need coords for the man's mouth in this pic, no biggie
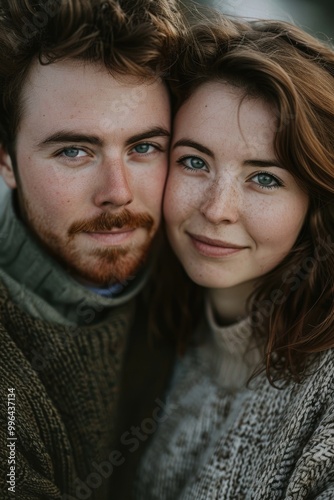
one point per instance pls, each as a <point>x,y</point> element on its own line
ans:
<point>113,237</point>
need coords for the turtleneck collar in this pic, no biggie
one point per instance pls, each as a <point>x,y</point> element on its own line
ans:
<point>40,285</point>
<point>231,352</point>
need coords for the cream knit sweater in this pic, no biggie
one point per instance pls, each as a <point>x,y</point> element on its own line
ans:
<point>226,440</point>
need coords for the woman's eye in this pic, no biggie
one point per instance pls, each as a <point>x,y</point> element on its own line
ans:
<point>144,148</point>
<point>192,163</point>
<point>73,153</point>
<point>266,180</point>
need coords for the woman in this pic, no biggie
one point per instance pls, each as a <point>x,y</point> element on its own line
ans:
<point>249,214</point>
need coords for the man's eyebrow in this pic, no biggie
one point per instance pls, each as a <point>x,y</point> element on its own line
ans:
<point>148,134</point>
<point>195,145</point>
<point>71,137</point>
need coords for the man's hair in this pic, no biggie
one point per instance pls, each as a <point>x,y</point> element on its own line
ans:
<point>134,37</point>
<point>292,306</point>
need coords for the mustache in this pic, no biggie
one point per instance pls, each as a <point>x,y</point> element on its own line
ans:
<point>107,222</point>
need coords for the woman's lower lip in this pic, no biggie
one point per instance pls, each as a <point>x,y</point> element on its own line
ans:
<point>213,250</point>
<point>117,238</point>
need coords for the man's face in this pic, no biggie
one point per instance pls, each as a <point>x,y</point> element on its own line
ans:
<point>91,154</point>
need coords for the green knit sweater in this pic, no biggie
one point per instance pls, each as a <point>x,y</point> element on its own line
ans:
<point>66,387</point>
<point>61,355</point>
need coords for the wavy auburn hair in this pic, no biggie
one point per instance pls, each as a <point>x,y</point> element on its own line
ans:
<point>292,307</point>
<point>129,37</point>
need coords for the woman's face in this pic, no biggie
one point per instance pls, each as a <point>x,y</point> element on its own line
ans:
<point>232,212</point>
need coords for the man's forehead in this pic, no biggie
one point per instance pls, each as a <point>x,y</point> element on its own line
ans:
<point>82,97</point>
<point>56,74</point>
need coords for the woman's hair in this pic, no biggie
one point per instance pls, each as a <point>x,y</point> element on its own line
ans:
<point>131,37</point>
<point>292,306</point>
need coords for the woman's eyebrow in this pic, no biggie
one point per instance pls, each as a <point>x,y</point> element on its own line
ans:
<point>262,163</point>
<point>248,163</point>
<point>195,145</point>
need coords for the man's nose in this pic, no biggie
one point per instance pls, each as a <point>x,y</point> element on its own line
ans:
<point>113,186</point>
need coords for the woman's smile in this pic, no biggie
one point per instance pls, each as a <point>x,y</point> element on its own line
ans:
<point>209,247</point>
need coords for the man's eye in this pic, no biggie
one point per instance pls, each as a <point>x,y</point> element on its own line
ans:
<point>144,148</point>
<point>73,153</point>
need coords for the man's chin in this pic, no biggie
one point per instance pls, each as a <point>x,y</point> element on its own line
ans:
<point>102,267</point>
<point>107,277</point>
<point>105,273</point>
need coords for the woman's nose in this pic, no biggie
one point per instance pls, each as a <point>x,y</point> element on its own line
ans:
<point>221,203</point>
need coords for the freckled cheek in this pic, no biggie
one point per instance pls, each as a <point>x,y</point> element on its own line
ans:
<point>51,199</point>
<point>152,187</point>
<point>179,203</point>
<point>273,226</point>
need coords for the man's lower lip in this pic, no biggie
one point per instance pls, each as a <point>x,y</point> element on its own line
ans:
<point>213,250</point>
<point>117,238</point>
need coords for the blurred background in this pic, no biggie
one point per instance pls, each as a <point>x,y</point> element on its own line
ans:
<point>316,17</point>
<point>2,186</point>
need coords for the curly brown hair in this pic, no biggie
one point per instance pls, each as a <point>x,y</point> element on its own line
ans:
<point>135,37</point>
<point>292,307</point>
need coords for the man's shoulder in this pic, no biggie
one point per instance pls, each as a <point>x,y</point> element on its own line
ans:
<point>3,289</point>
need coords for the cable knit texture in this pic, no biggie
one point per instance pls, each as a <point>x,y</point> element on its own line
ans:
<point>224,439</point>
<point>66,385</point>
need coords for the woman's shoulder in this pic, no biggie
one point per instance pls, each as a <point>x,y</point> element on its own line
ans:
<point>320,374</point>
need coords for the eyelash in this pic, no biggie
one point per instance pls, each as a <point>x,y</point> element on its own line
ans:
<point>59,153</point>
<point>274,177</point>
<point>157,147</point>
<point>279,182</point>
<point>180,161</point>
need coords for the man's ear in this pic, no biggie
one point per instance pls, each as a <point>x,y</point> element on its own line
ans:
<point>6,168</point>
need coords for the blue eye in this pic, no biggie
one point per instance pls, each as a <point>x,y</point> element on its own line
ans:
<point>73,152</point>
<point>143,148</point>
<point>266,180</point>
<point>192,163</point>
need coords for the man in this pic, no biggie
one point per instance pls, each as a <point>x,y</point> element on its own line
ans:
<point>84,131</point>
